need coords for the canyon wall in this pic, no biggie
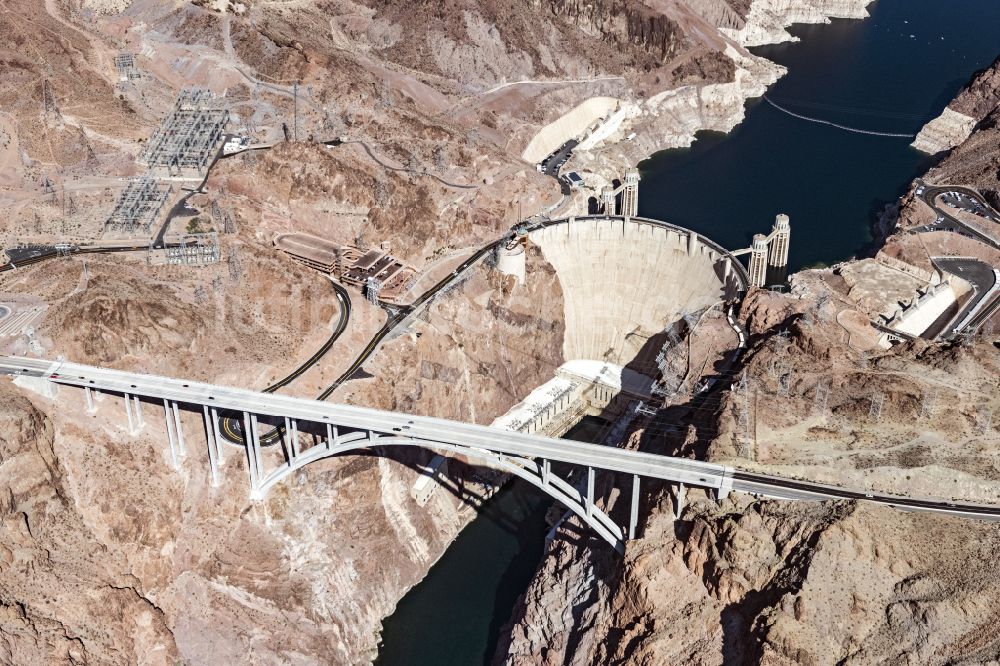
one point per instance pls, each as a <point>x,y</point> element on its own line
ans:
<point>431,101</point>
<point>767,20</point>
<point>746,580</point>
<point>956,123</point>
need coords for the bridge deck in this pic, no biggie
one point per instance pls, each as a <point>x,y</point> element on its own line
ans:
<point>429,431</point>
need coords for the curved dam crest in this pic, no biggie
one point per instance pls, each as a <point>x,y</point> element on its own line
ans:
<point>626,280</point>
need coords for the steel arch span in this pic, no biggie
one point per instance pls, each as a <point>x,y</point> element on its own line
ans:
<point>350,428</point>
<point>537,473</point>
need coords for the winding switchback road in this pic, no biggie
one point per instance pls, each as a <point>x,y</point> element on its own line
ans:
<point>932,192</point>
<point>232,428</point>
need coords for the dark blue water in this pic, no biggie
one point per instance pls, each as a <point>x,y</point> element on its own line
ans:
<point>454,616</point>
<point>869,74</point>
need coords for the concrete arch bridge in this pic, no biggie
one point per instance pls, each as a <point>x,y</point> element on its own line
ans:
<point>343,428</point>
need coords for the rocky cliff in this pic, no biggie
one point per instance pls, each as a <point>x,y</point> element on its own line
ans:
<point>750,581</point>
<point>112,557</point>
<point>65,596</point>
<point>747,582</point>
<point>767,20</point>
<point>974,103</point>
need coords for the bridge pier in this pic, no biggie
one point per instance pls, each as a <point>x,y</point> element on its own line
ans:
<point>211,435</point>
<point>168,417</point>
<point>725,487</point>
<point>633,516</point>
<point>331,436</point>
<point>590,493</point>
<point>248,437</point>
<point>128,413</point>
<point>90,399</point>
<point>217,439</point>
<point>291,440</point>
<point>180,431</point>
<point>258,463</point>
<point>546,470</point>
<point>679,501</point>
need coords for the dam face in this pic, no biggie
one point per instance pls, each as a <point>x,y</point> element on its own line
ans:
<point>626,280</point>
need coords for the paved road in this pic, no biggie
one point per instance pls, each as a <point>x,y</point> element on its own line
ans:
<point>977,273</point>
<point>53,253</point>
<point>453,435</point>
<point>384,165</point>
<point>399,319</point>
<point>180,208</point>
<point>929,196</point>
<point>231,426</point>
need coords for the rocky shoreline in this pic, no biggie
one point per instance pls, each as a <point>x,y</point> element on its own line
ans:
<point>672,118</point>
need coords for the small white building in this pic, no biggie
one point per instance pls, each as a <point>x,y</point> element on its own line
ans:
<point>574,180</point>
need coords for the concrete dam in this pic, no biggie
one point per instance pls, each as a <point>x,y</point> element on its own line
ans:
<point>625,282</point>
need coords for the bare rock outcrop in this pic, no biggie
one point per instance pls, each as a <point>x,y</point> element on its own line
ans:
<point>749,581</point>
<point>972,105</point>
<point>765,582</point>
<point>64,596</point>
<point>766,20</point>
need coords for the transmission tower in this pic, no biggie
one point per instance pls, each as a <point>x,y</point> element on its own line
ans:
<point>927,404</point>
<point>783,384</point>
<point>743,421</point>
<point>216,213</point>
<point>372,292</point>
<point>49,99</point>
<point>822,396</point>
<point>645,410</point>
<point>875,406</point>
<point>235,265</point>
<point>984,419</point>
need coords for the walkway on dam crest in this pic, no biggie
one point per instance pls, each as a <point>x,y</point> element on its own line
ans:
<point>349,428</point>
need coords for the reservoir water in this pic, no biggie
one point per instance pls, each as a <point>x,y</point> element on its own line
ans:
<point>889,73</point>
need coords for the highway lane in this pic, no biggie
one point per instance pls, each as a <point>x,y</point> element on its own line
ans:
<point>79,250</point>
<point>984,315</point>
<point>426,431</point>
<point>231,426</point>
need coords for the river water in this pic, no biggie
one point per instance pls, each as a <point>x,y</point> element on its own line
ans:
<point>890,73</point>
<point>454,615</point>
